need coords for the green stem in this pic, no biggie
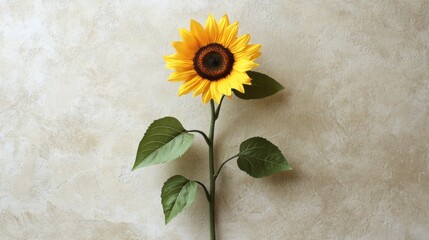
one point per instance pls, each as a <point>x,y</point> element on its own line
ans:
<point>212,172</point>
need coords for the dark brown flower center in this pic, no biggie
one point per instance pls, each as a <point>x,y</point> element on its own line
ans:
<point>213,61</point>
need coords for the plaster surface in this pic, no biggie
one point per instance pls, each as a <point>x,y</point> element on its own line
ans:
<point>80,81</point>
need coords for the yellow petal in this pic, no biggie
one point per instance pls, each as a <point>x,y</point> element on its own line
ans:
<point>189,39</point>
<point>171,57</point>
<point>211,28</point>
<point>251,52</point>
<point>182,76</point>
<point>223,23</point>
<point>242,77</point>
<point>206,95</point>
<point>224,87</point>
<point>237,79</point>
<point>183,50</point>
<point>240,43</point>
<point>172,62</point>
<point>187,86</point>
<point>201,87</point>
<point>199,33</point>
<point>237,86</point>
<point>255,56</point>
<point>244,65</point>
<point>214,88</point>
<point>229,35</point>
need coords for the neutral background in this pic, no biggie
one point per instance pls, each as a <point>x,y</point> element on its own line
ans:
<point>82,80</point>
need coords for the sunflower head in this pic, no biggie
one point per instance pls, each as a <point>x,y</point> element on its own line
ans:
<point>212,60</point>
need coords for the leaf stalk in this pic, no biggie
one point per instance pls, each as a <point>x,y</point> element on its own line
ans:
<point>223,164</point>
<point>205,190</point>
<point>207,139</point>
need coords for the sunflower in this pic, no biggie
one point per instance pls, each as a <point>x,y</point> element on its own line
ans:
<point>212,61</point>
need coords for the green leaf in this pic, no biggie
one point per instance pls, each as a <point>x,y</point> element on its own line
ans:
<point>262,86</point>
<point>164,140</point>
<point>260,158</point>
<point>177,194</point>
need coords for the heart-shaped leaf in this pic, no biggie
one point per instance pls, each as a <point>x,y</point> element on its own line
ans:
<point>164,140</point>
<point>262,86</point>
<point>177,194</point>
<point>259,158</point>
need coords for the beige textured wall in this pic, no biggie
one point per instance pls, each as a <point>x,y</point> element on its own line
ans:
<point>82,80</point>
